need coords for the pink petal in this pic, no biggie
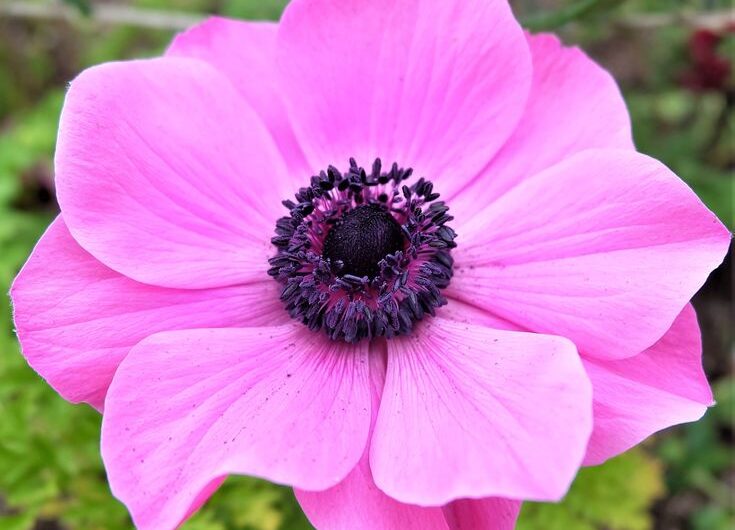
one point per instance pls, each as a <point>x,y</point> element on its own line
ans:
<point>356,502</point>
<point>431,84</point>
<point>482,514</point>
<point>167,176</point>
<point>465,313</point>
<point>636,397</point>
<point>188,407</point>
<point>245,53</point>
<point>469,411</point>
<point>574,105</point>
<point>604,248</point>
<point>203,496</point>
<point>77,319</point>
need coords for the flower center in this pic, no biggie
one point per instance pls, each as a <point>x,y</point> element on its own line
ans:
<point>363,254</point>
<point>361,239</point>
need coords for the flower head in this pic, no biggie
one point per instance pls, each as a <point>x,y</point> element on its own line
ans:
<point>396,373</point>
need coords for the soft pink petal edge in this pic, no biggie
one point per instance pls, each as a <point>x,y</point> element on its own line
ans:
<point>433,85</point>
<point>475,404</point>
<point>639,396</point>
<point>635,397</point>
<point>574,105</point>
<point>76,319</point>
<point>604,245</point>
<point>246,53</point>
<point>358,504</point>
<point>482,514</point>
<point>159,174</point>
<point>186,408</point>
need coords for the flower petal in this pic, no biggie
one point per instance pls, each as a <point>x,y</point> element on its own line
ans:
<point>636,397</point>
<point>166,175</point>
<point>604,245</point>
<point>469,411</point>
<point>574,105</point>
<point>435,85</point>
<point>188,407</point>
<point>465,313</point>
<point>356,502</point>
<point>77,319</point>
<point>482,514</point>
<point>246,53</point>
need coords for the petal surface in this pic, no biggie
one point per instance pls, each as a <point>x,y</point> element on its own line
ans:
<point>186,408</point>
<point>356,502</point>
<point>636,397</point>
<point>469,411</point>
<point>166,175</point>
<point>465,313</point>
<point>574,104</point>
<point>246,53</point>
<point>77,319</point>
<point>604,245</point>
<point>482,514</point>
<point>435,85</point>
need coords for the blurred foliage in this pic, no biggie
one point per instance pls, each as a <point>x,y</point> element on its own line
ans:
<point>615,496</point>
<point>574,11</point>
<point>695,462</point>
<point>51,475</point>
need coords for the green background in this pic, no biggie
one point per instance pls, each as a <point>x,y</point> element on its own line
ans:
<point>51,476</point>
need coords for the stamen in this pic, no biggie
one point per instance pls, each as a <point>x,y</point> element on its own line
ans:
<point>363,255</point>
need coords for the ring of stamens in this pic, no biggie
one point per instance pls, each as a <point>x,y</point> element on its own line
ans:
<point>363,255</point>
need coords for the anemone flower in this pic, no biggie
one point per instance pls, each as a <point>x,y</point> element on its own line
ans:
<point>253,272</point>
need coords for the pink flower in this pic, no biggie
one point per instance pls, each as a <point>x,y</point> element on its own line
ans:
<point>567,337</point>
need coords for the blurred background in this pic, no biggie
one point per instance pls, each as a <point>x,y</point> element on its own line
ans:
<point>674,61</point>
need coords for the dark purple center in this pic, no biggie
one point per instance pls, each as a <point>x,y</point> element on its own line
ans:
<point>363,254</point>
<point>361,239</point>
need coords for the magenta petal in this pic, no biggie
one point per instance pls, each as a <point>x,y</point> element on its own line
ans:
<point>431,84</point>
<point>574,105</point>
<point>467,314</point>
<point>605,248</point>
<point>356,502</point>
<point>76,319</point>
<point>469,411</point>
<point>188,407</point>
<point>167,176</point>
<point>245,52</point>
<point>636,397</point>
<point>482,514</point>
